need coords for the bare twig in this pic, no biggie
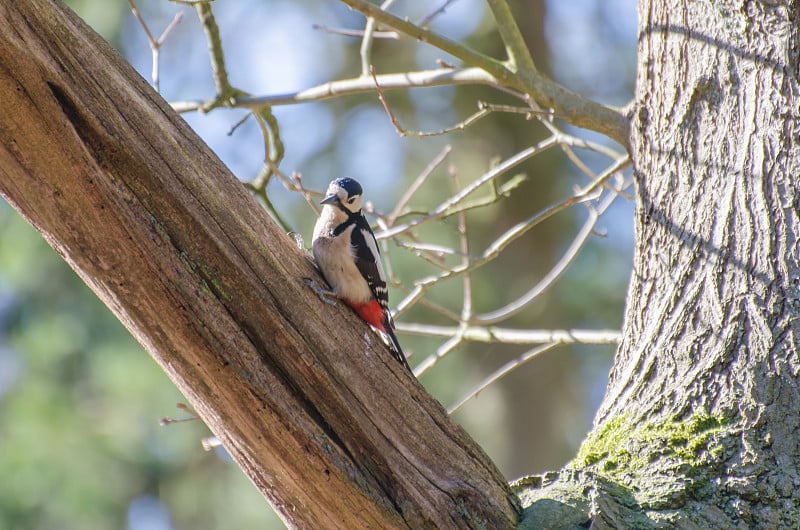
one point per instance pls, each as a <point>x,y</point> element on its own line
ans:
<point>466,287</point>
<point>555,272</point>
<point>421,178</point>
<point>502,372</point>
<point>457,337</point>
<point>493,334</point>
<point>293,182</point>
<point>358,85</point>
<point>577,109</point>
<point>494,249</point>
<point>519,57</point>
<point>466,54</point>
<point>218,69</point>
<point>209,442</point>
<point>521,228</point>
<point>435,13</point>
<point>227,95</point>
<point>155,44</point>
<point>175,21</point>
<point>446,208</point>
<point>184,407</point>
<point>482,113</point>
<point>346,32</point>
<point>436,308</point>
<point>442,351</point>
<point>438,250</point>
<point>366,42</point>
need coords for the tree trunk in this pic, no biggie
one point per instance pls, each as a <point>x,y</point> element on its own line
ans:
<point>332,430</point>
<point>699,426</point>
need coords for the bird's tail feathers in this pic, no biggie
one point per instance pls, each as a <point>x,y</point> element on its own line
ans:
<point>394,345</point>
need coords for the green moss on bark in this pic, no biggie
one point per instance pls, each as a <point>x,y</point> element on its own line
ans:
<point>621,448</point>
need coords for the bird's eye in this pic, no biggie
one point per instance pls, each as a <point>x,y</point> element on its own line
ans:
<point>351,200</point>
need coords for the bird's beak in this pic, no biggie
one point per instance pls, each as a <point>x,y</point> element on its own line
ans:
<point>329,199</point>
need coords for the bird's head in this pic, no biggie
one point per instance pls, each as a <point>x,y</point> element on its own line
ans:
<point>344,193</point>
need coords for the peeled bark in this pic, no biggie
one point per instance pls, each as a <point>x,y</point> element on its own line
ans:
<point>331,429</point>
<point>699,425</point>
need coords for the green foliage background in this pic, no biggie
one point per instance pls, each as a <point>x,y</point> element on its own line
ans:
<point>80,401</point>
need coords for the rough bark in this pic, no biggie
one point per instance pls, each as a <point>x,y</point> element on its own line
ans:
<point>699,425</point>
<point>332,430</point>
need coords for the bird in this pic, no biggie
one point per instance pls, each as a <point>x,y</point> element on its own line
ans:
<point>347,255</point>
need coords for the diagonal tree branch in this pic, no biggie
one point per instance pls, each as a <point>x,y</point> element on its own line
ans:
<point>466,54</point>
<point>306,399</point>
<point>519,56</point>
<point>548,94</point>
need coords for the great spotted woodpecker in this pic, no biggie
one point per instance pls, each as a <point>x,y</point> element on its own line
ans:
<point>347,255</point>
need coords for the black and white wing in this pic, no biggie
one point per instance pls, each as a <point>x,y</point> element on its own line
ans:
<point>368,260</point>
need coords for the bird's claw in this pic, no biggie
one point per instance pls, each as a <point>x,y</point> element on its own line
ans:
<point>326,295</point>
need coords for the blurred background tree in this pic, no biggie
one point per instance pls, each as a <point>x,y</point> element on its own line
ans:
<point>79,399</point>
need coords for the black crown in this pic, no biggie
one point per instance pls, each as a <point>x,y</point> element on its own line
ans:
<point>351,186</point>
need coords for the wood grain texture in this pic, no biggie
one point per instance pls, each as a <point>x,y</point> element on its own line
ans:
<point>311,405</point>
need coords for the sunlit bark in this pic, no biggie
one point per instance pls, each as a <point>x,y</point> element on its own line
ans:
<point>698,428</point>
<point>329,427</point>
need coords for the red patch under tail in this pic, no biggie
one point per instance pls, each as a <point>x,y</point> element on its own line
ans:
<point>371,312</point>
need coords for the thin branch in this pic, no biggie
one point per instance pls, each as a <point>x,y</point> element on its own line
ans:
<point>227,94</point>
<point>366,42</point>
<point>583,194</point>
<point>466,288</point>
<point>497,193</point>
<point>446,208</point>
<point>261,191</point>
<point>155,44</point>
<point>436,308</point>
<point>145,27</point>
<point>347,32</point>
<point>432,257</point>
<point>167,420</point>
<point>466,311</point>
<point>273,153</point>
<point>293,182</point>
<point>219,72</point>
<point>484,109</point>
<point>357,85</point>
<point>502,372</point>
<point>442,351</point>
<point>421,178</point>
<point>439,250</point>
<point>460,126</point>
<point>575,159</point>
<point>574,141</point>
<point>555,272</point>
<point>171,26</point>
<point>494,249</point>
<point>493,334</point>
<point>468,55</point>
<point>435,13</point>
<point>518,54</point>
<point>576,109</point>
